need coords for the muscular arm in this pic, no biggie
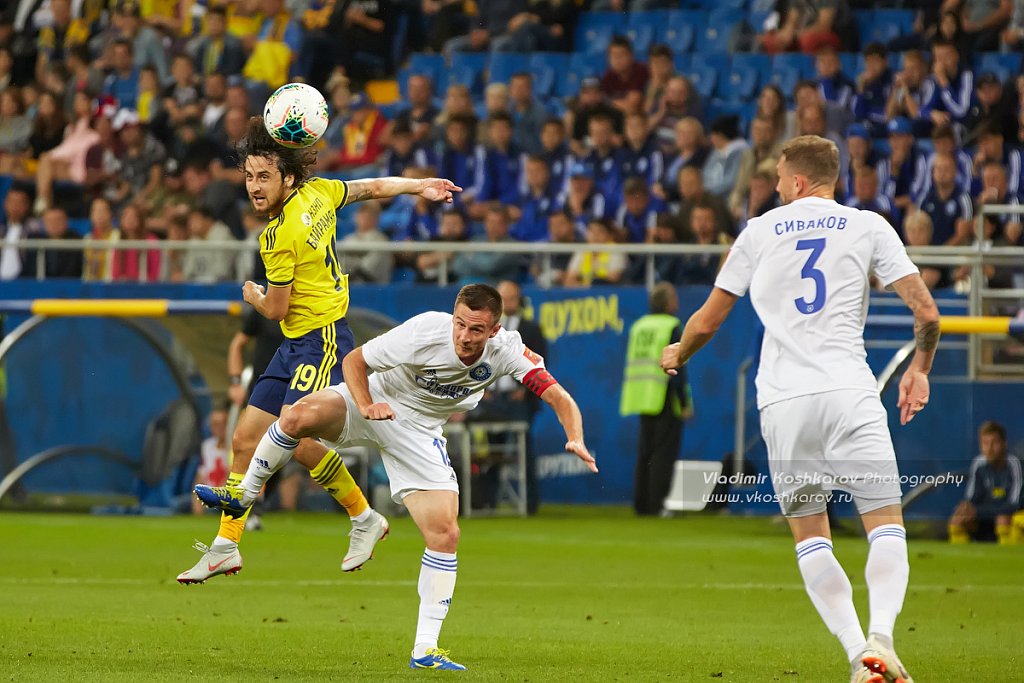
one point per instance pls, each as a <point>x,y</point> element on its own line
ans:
<point>699,330</point>
<point>571,420</point>
<point>353,369</point>
<point>919,300</point>
<point>434,189</point>
<point>271,303</point>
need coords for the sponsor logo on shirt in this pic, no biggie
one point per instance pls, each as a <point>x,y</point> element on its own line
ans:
<point>531,356</point>
<point>428,381</point>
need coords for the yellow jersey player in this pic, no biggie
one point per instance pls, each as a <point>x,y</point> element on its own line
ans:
<point>308,294</point>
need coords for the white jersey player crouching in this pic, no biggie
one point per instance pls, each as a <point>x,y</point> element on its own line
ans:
<point>807,267</point>
<point>424,371</point>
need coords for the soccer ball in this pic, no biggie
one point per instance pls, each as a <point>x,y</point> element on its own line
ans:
<point>295,115</point>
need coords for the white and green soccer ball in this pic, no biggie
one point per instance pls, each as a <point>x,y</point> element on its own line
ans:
<point>296,115</point>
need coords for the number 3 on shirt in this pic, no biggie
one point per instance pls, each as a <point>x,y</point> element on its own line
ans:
<point>809,272</point>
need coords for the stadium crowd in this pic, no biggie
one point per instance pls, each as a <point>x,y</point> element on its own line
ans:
<point>117,121</point>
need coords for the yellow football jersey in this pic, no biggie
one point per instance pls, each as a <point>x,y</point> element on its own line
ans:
<point>298,247</point>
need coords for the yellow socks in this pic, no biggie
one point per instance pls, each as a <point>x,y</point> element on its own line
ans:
<point>958,535</point>
<point>230,527</point>
<point>332,474</point>
<point>1004,534</point>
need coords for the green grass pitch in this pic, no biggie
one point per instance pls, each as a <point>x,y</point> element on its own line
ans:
<point>574,595</point>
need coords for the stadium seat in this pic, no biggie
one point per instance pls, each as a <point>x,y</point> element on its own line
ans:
<point>715,34</point>
<point>746,74</point>
<point>882,25</point>
<point>643,28</point>
<point>581,65</point>
<point>427,64</point>
<point>80,226</point>
<point>679,31</point>
<point>548,68</point>
<point>704,76</point>
<point>595,30</point>
<point>506,64</point>
<point>682,62</point>
<point>789,68</point>
<point>756,20</point>
<point>1004,65</point>
<point>467,69</point>
<point>850,62</point>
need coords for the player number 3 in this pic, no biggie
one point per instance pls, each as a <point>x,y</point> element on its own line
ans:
<point>809,272</point>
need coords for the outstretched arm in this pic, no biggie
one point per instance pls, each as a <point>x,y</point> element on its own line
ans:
<point>569,416</point>
<point>699,330</point>
<point>433,189</point>
<point>914,384</point>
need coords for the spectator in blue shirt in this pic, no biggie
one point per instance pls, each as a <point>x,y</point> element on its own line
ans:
<point>867,197</point>
<point>490,266</point>
<point>862,153</point>
<point>911,90</point>
<point>727,148</point>
<point>555,152</point>
<point>403,152</point>
<point>502,163</point>
<point>873,88</point>
<point>948,206</point>
<point>459,161</point>
<point>581,200</point>
<point>639,211</point>
<point>835,86</point>
<point>604,158</point>
<point>992,494</point>
<point>904,175</point>
<point>944,141</point>
<point>993,148</point>
<point>953,95</point>
<point>641,155</point>
<point>123,82</point>
<point>535,204</point>
<point>528,115</point>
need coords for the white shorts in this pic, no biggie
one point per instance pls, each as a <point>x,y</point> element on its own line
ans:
<point>833,440</point>
<point>416,459</point>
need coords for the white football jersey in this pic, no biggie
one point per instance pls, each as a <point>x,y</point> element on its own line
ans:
<point>417,371</point>
<point>807,266</point>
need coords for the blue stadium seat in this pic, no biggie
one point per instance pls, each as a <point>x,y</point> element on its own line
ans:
<point>548,68</point>
<point>644,28</point>
<point>682,61</point>
<point>756,20</point>
<point>746,74</point>
<point>467,69</point>
<point>790,67</point>
<point>882,25</point>
<point>581,65</point>
<point>714,35</point>
<point>594,30</point>
<point>80,226</point>
<point>505,64</point>
<point>850,63</point>
<point>745,110</point>
<point>427,64</point>
<point>703,76</point>
<point>1006,66</point>
<point>680,29</point>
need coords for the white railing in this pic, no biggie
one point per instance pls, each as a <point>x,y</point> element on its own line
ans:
<point>975,256</point>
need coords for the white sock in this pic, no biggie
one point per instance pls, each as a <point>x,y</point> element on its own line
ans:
<point>831,593</point>
<point>436,587</point>
<point>362,516</point>
<point>273,452</point>
<point>223,545</point>
<point>886,573</point>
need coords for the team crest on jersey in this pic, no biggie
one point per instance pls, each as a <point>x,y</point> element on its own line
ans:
<point>481,372</point>
<point>307,220</point>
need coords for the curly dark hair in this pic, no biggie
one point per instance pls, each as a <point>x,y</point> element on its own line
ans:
<point>256,142</point>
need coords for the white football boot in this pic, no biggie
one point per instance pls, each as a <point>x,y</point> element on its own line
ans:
<point>362,539</point>
<point>213,563</point>
<point>882,660</point>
